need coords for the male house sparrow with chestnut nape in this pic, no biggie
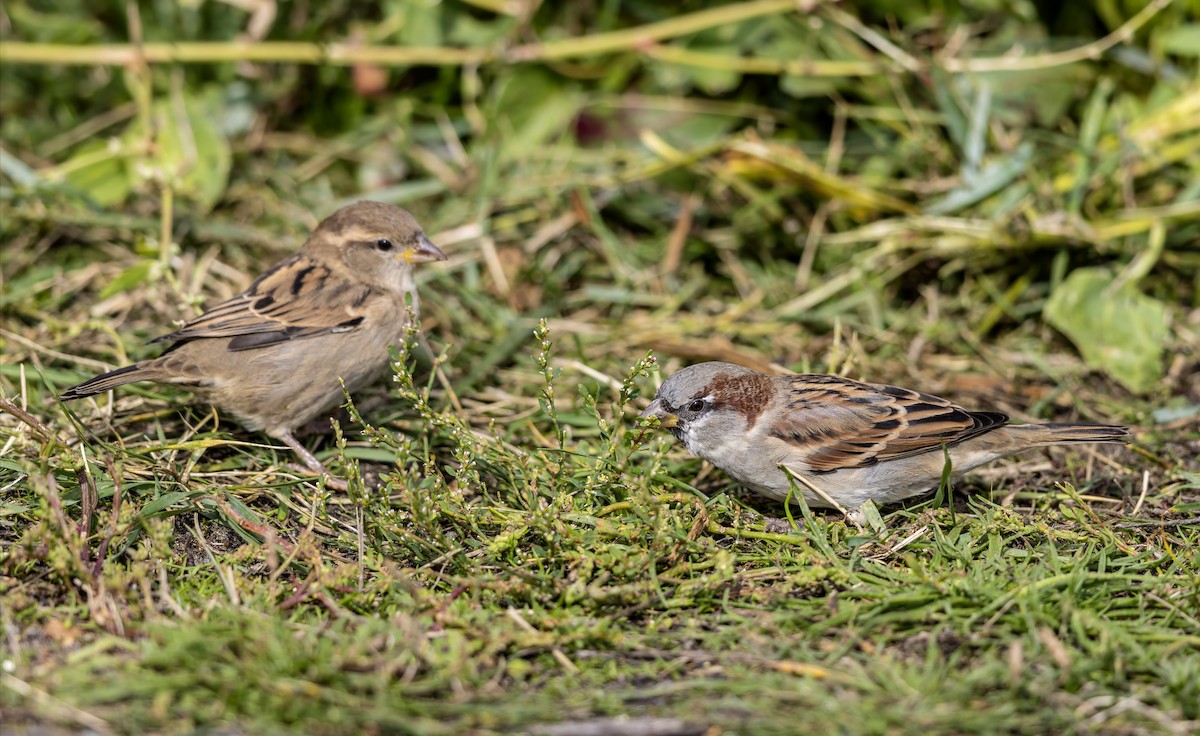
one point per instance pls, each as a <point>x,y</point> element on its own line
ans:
<point>847,442</point>
<point>273,355</point>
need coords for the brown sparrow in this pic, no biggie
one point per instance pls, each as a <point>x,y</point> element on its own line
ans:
<point>846,442</point>
<point>272,355</point>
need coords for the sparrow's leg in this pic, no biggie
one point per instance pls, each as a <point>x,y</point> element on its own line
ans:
<point>820,492</point>
<point>312,463</point>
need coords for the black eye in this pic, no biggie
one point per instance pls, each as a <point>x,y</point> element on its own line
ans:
<point>697,406</point>
<point>383,244</point>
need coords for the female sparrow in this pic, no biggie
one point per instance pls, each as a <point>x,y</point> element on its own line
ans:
<point>846,442</point>
<point>273,355</point>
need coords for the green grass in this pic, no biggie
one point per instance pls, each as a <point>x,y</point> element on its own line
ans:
<point>520,553</point>
<point>504,585</point>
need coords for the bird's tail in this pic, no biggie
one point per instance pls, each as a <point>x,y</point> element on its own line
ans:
<point>1033,435</point>
<point>112,379</point>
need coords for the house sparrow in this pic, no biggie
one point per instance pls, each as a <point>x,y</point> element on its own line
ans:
<point>272,355</point>
<point>846,442</point>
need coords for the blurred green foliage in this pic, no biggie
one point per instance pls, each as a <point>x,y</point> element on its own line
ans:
<point>959,195</point>
<point>798,126</point>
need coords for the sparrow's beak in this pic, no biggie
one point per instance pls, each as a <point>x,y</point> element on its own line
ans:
<point>423,252</point>
<point>666,419</point>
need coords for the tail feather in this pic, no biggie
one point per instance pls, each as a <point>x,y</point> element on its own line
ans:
<point>104,382</point>
<point>1056,434</point>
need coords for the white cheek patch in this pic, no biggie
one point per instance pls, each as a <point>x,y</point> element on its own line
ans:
<point>718,447</point>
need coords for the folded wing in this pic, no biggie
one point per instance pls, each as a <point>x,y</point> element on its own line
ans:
<point>837,423</point>
<point>296,298</point>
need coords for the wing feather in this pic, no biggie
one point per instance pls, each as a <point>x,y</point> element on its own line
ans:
<point>296,298</point>
<point>838,424</point>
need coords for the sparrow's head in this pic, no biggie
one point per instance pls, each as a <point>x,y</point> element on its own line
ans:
<point>705,404</point>
<point>378,242</point>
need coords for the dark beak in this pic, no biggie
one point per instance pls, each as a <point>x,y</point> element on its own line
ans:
<point>666,419</point>
<point>423,252</point>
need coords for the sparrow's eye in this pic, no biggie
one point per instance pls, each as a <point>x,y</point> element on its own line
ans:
<point>383,244</point>
<point>697,406</point>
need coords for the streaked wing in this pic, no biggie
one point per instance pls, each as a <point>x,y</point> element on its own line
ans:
<point>296,298</point>
<point>837,423</point>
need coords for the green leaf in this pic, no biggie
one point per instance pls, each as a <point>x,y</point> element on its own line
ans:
<point>372,454</point>
<point>49,27</point>
<point>243,510</point>
<point>422,23</point>
<point>192,154</point>
<point>470,31</point>
<point>1182,41</point>
<point>164,502</point>
<point>136,275</point>
<point>98,170</point>
<point>1121,332</point>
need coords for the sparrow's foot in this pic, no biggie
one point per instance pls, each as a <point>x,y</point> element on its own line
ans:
<point>777,526</point>
<point>312,463</point>
<point>857,518</point>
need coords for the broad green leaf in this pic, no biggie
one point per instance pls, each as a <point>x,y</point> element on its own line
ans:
<point>207,174</point>
<point>98,170</point>
<point>1183,40</point>
<point>1121,332</point>
<point>422,23</point>
<point>192,154</point>
<point>470,31</point>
